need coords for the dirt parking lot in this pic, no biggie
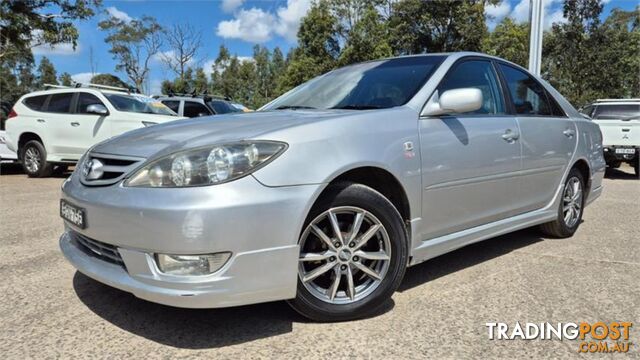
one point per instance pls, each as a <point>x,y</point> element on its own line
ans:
<point>49,310</point>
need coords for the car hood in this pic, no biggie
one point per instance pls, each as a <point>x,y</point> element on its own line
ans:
<point>174,136</point>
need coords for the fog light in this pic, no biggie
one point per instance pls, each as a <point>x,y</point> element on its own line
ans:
<point>188,265</point>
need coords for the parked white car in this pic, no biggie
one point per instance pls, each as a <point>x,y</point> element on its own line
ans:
<point>619,121</point>
<point>5,153</point>
<point>55,127</point>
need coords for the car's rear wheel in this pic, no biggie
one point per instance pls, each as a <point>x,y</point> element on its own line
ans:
<point>34,160</point>
<point>353,255</point>
<point>570,209</point>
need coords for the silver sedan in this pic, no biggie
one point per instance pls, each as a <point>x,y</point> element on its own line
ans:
<point>327,194</point>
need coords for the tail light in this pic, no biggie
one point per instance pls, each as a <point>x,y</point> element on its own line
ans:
<point>12,114</point>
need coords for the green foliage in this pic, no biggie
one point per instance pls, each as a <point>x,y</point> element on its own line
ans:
<point>418,26</point>
<point>46,73</point>
<point>133,43</point>
<point>29,23</point>
<point>509,41</point>
<point>65,79</point>
<point>109,80</point>
<point>367,40</point>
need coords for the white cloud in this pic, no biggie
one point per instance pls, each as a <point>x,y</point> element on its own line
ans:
<point>257,26</point>
<point>230,6</point>
<point>118,14</point>
<point>84,78</point>
<point>495,13</point>
<point>58,49</point>
<point>155,87</point>
<point>552,12</point>
<point>162,56</point>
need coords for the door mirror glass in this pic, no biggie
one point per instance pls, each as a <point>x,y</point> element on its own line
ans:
<point>455,101</point>
<point>97,109</point>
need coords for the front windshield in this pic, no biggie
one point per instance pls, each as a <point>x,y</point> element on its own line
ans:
<point>138,104</point>
<point>617,112</point>
<point>369,85</point>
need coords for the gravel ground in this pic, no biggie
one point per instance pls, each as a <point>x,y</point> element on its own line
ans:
<point>48,310</point>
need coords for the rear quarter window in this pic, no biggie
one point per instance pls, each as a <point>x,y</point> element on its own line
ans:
<point>35,102</point>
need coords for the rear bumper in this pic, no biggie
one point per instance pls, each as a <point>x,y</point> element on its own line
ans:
<point>611,154</point>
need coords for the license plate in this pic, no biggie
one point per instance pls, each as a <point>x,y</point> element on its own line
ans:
<point>73,214</point>
<point>625,151</point>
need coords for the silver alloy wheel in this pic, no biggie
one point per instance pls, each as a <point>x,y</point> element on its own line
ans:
<point>32,159</point>
<point>572,201</point>
<point>344,255</point>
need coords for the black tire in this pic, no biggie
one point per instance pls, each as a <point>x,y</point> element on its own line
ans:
<point>33,150</point>
<point>60,169</point>
<point>559,227</point>
<point>363,197</point>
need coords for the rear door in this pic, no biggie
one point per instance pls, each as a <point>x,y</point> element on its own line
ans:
<point>63,141</point>
<point>548,138</point>
<point>471,161</point>
<point>195,109</point>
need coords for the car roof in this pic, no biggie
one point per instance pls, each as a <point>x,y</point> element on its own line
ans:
<point>73,90</point>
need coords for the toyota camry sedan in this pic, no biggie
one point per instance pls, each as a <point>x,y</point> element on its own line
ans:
<point>327,194</point>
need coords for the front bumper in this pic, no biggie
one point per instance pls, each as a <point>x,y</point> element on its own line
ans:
<point>258,224</point>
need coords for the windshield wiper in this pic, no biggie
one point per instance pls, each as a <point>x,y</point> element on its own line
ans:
<point>294,107</point>
<point>357,107</point>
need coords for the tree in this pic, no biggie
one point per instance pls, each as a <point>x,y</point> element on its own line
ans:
<point>46,73</point>
<point>318,47</point>
<point>200,82</point>
<point>26,24</point>
<point>65,79</point>
<point>367,40</point>
<point>109,80</point>
<point>133,43</point>
<point>572,57</point>
<point>418,26</point>
<point>184,42</point>
<point>509,41</point>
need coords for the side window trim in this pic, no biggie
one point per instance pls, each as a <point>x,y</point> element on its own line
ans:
<point>76,102</point>
<point>501,87</point>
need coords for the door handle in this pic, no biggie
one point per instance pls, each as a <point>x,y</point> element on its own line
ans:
<point>510,136</point>
<point>75,123</point>
<point>569,133</point>
<point>40,120</point>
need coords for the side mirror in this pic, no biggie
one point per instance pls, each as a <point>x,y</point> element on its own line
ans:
<point>455,101</point>
<point>97,109</point>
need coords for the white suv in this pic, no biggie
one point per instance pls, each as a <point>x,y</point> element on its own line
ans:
<point>619,121</point>
<point>55,127</point>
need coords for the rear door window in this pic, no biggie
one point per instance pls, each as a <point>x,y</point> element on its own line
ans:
<point>35,102</point>
<point>527,94</point>
<point>60,103</point>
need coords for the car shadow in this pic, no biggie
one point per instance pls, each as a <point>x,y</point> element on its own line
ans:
<point>16,169</point>
<point>468,256</point>
<point>618,174</point>
<point>189,328</point>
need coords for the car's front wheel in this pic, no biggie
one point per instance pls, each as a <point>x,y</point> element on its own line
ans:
<point>34,159</point>
<point>353,255</point>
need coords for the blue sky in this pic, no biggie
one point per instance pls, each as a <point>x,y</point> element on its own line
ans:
<point>238,24</point>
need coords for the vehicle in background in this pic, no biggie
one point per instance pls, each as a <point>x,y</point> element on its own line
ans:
<point>5,153</point>
<point>199,105</point>
<point>53,128</point>
<point>619,121</point>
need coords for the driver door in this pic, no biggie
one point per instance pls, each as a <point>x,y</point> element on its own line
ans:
<point>87,129</point>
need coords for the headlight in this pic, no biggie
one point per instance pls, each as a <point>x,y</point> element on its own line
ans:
<point>186,265</point>
<point>207,165</point>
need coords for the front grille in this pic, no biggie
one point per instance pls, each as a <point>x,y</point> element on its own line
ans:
<point>111,168</point>
<point>99,249</point>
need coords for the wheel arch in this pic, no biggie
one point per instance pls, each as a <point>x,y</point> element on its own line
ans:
<point>585,170</point>
<point>27,136</point>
